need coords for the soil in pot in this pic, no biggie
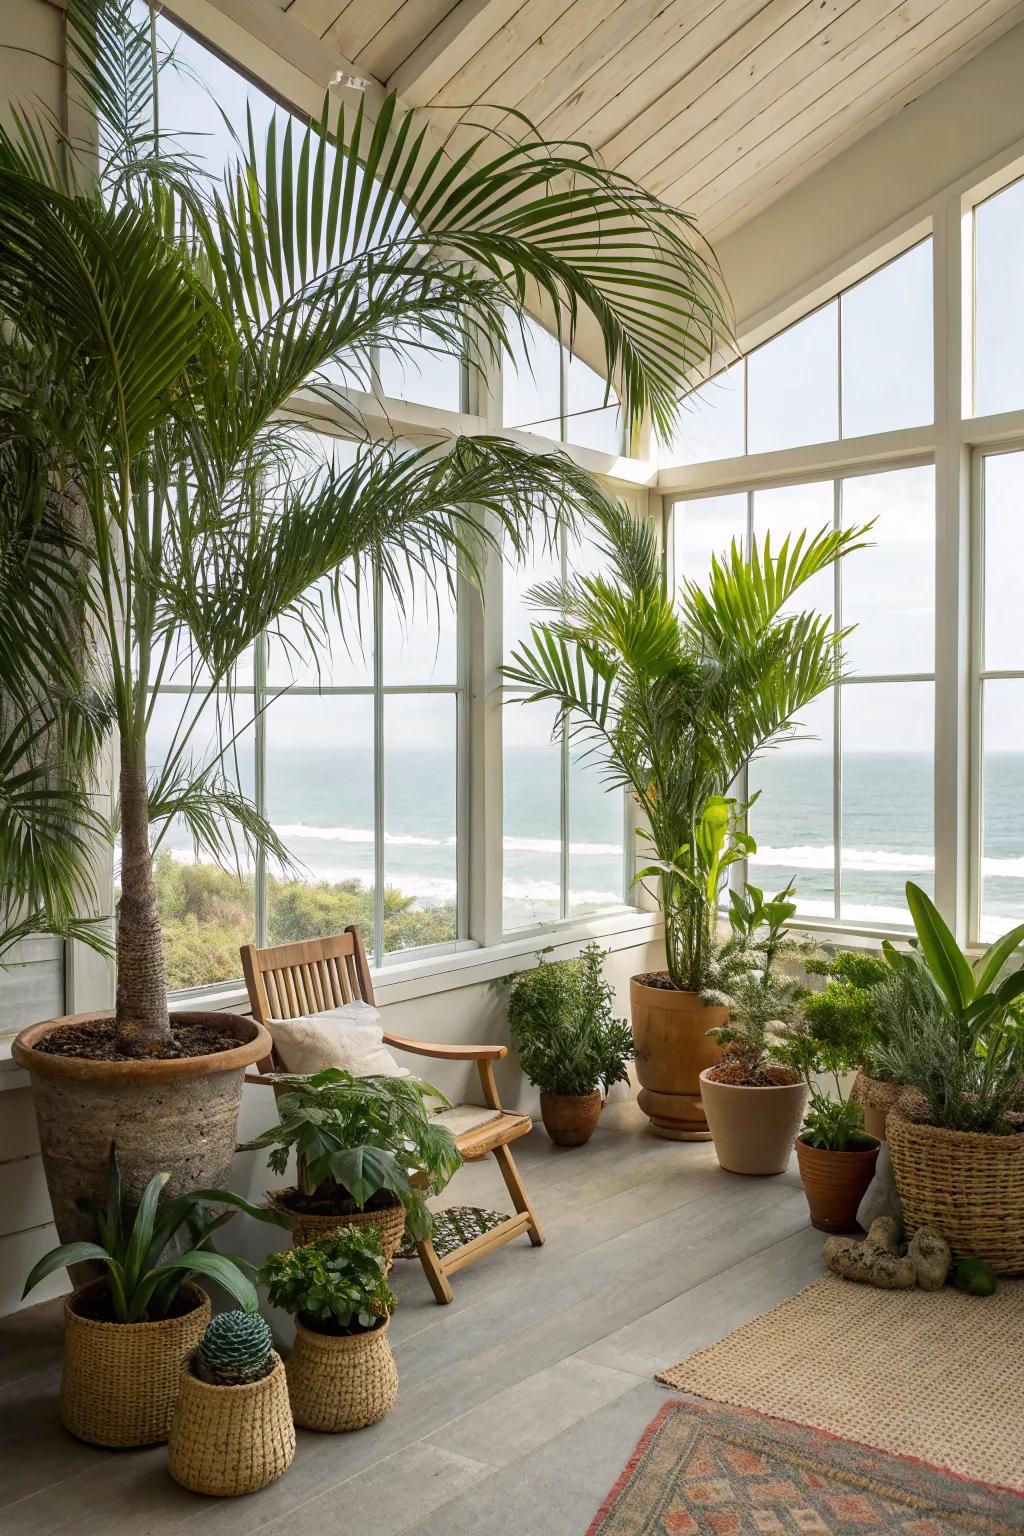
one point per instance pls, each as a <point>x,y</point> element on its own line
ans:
<point>672,1049</point>
<point>97,1040</point>
<point>570,1118</point>
<point>753,1125</point>
<point>835,1182</point>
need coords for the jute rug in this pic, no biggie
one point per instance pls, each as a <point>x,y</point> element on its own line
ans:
<point>704,1470</point>
<point>938,1376</point>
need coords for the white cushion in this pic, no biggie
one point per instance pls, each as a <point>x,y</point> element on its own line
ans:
<point>466,1117</point>
<point>350,1037</point>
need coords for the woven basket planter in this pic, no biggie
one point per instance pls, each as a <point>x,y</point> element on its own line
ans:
<point>389,1222</point>
<point>876,1099</point>
<point>120,1380</point>
<point>341,1382</point>
<point>231,1440</point>
<point>967,1186</point>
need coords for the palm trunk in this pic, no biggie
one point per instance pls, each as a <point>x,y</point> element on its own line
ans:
<point>142,1017</point>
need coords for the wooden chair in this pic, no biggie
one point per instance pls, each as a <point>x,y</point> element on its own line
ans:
<point>289,980</point>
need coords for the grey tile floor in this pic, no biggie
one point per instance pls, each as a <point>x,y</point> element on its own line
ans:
<point>518,1405</point>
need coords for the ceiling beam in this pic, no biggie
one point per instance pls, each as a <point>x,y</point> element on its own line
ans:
<point>451,45</point>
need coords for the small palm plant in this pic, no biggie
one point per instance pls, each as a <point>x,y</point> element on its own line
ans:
<point>673,698</point>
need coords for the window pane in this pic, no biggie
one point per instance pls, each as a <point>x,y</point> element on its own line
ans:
<point>320,800</point>
<point>591,421</point>
<point>785,512</point>
<point>531,382</point>
<point>999,302</point>
<point>710,423</point>
<point>423,376</point>
<point>200,95</point>
<point>419,820</point>
<point>793,385</point>
<point>889,588</point>
<point>888,822</point>
<point>206,911</point>
<point>704,528</point>
<point>1002,849</point>
<point>887,326</point>
<point>791,821</point>
<point>532,816</point>
<point>596,822</point>
<point>1004,552</point>
<point>420,645</point>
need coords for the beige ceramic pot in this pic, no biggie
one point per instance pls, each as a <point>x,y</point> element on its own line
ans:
<point>176,1117</point>
<point>672,1048</point>
<point>571,1118</point>
<point>338,1383</point>
<point>834,1183</point>
<point>229,1440</point>
<point>753,1128</point>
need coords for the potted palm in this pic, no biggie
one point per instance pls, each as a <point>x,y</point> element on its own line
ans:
<point>188,316</point>
<point>367,1154</point>
<point>341,1372</point>
<point>956,1135</point>
<point>128,1332</point>
<point>232,1431</point>
<point>675,695</point>
<point>570,1046</point>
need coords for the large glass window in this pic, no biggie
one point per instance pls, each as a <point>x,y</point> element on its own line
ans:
<point>549,391</point>
<point>999,302</point>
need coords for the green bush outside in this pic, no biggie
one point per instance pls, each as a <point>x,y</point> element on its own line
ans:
<point>207,913</point>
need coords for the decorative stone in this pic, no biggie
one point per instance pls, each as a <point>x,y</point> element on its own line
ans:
<point>881,1261</point>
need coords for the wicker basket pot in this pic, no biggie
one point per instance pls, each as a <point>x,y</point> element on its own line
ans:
<point>968,1186</point>
<point>389,1222</point>
<point>230,1440</point>
<point>340,1382</point>
<point>120,1380</point>
<point>876,1099</point>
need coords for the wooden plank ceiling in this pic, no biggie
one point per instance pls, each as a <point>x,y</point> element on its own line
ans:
<point>719,106</point>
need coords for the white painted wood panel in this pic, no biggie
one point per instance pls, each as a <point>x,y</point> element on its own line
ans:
<point>315,15</point>
<point>401,34</point>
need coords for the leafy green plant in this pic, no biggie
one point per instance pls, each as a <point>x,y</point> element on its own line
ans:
<point>235,1349</point>
<point>826,1040</point>
<point>674,694</point>
<point>355,1137</point>
<point>560,1020</point>
<point>338,1284</point>
<point>834,1125</point>
<point>164,323</point>
<point>144,1283</point>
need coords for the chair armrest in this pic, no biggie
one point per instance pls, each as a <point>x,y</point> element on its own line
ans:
<point>447,1052</point>
<point>258,1077</point>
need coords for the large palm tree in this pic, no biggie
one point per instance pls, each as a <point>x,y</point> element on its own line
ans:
<point>169,321</point>
<point>673,696</point>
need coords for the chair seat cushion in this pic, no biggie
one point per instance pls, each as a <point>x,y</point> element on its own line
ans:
<point>462,1118</point>
<point>350,1037</point>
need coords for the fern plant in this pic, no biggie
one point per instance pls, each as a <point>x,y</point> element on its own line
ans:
<point>561,1023</point>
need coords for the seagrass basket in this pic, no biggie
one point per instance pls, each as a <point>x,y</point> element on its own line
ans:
<point>230,1440</point>
<point>342,1382</point>
<point>969,1187</point>
<point>389,1222</point>
<point>876,1099</point>
<point>120,1380</point>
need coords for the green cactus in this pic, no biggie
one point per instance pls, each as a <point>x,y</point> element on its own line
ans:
<point>234,1349</point>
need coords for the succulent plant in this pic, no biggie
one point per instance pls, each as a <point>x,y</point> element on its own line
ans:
<point>235,1348</point>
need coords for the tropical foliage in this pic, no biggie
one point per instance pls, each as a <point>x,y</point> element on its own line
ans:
<point>674,698</point>
<point>144,1280</point>
<point>560,1020</point>
<point>154,328</point>
<point>356,1137</point>
<point>337,1284</point>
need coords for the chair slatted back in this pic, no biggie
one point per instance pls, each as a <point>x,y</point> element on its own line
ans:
<point>286,981</point>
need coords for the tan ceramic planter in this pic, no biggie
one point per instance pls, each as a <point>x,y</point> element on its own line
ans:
<point>176,1117</point>
<point>570,1119</point>
<point>120,1380</point>
<point>753,1128</point>
<point>672,1049</point>
<point>341,1383</point>
<point>834,1183</point>
<point>226,1440</point>
<point>388,1223</point>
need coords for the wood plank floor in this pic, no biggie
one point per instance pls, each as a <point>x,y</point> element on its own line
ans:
<point>518,1405</point>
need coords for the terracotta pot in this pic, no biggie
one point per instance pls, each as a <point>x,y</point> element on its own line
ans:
<point>388,1222</point>
<point>176,1117</point>
<point>672,1049</point>
<point>753,1128</point>
<point>834,1183</point>
<point>570,1119</point>
<point>121,1380</point>
<point>341,1383</point>
<point>228,1440</point>
<point>875,1099</point>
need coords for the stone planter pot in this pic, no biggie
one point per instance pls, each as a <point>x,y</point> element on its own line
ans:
<point>834,1183</point>
<point>338,1383</point>
<point>176,1117</point>
<point>231,1440</point>
<point>753,1128</point>
<point>672,1049</point>
<point>389,1222</point>
<point>570,1119</point>
<point>875,1099</point>
<point>121,1380</point>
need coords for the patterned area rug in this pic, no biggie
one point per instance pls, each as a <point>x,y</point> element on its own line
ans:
<point>705,1470</point>
<point>453,1227</point>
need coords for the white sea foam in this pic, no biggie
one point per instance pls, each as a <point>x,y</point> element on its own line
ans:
<point>302,832</point>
